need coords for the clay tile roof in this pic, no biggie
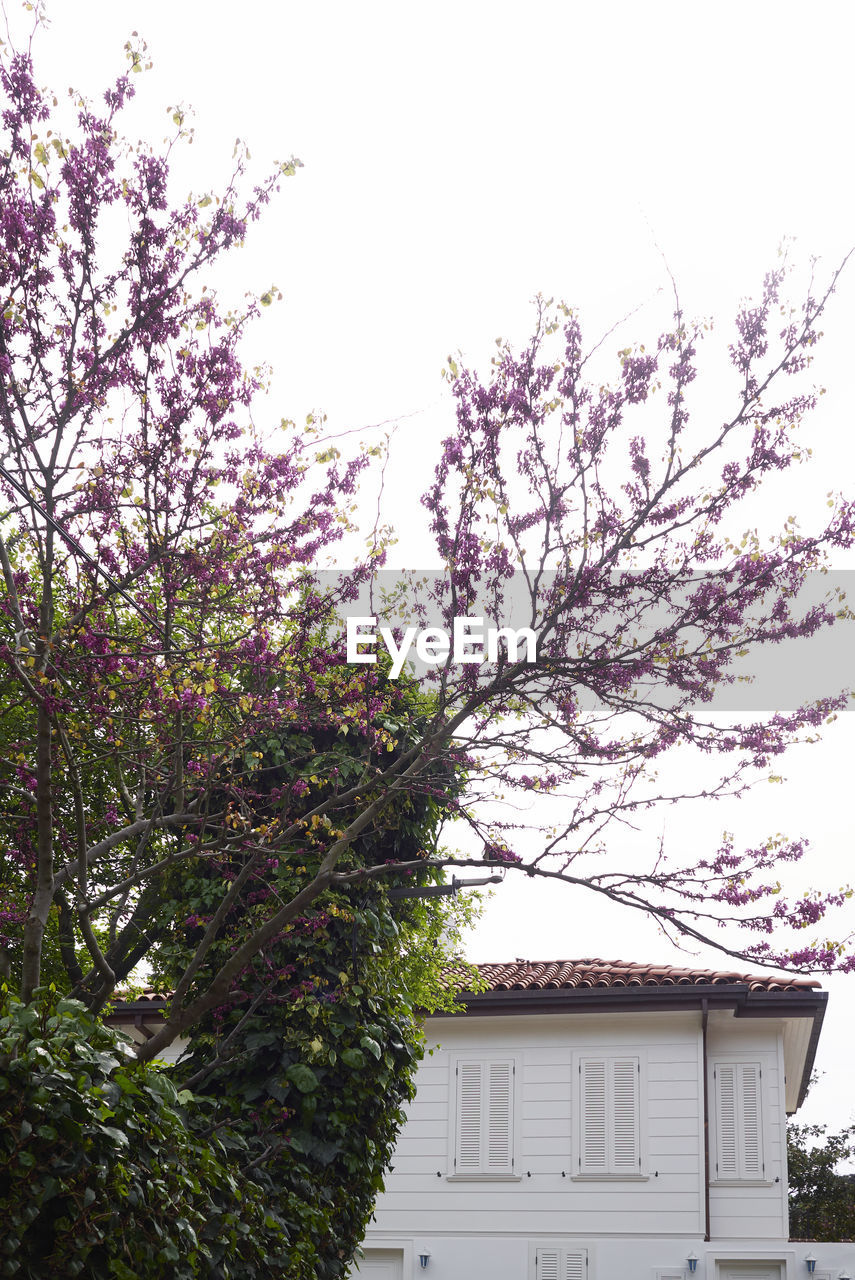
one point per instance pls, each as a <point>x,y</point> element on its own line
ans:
<point>537,975</point>
<point>542,975</point>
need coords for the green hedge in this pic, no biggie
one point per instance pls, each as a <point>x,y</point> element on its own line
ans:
<point>101,1172</point>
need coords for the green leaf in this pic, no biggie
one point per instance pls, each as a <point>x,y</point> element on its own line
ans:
<point>353,1058</point>
<point>115,1134</point>
<point>303,1077</point>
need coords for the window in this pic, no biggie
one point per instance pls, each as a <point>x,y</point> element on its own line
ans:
<point>738,1121</point>
<point>554,1262</point>
<point>609,1142</point>
<point>484,1117</point>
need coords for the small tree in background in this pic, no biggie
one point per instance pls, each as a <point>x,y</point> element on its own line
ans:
<point>822,1200</point>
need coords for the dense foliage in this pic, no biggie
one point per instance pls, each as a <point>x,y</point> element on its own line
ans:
<point>103,1172</point>
<point>300,1073</point>
<point>315,1065</point>
<point>312,1053</point>
<point>822,1200</point>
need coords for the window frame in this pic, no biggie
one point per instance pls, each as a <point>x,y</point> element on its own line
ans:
<point>485,1059</point>
<point>560,1246</point>
<point>612,1173</point>
<point>739,1179</point>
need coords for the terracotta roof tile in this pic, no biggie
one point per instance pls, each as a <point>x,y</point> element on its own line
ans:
<point>539,975</point>
<point>554,975</point>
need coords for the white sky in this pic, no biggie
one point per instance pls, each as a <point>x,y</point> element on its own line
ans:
<point>460,158</point>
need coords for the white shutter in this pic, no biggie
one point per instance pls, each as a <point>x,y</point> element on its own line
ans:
<point>609,1115</point>
<point>575,1265</point>
<point>500,1117</point>
<point>739,1131</point>
<point>727,1157</point>
<point>549,1264</point>
<point>752,1144</point>
<point>625,1151</point>
<point>561,1264</point>
<point>469,1098</point>
<point>593,1138</point>
<point>485,1117</point>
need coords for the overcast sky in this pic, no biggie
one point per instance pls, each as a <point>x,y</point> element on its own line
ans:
<point>459,158</point>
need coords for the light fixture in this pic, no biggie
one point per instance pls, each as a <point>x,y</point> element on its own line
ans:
<point>424,1259</point>
<point>843,1275</point>
<point>693,1262</point>
<point>810,1263</point>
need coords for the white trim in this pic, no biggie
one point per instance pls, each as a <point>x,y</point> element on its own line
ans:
<point>766,1062</point>
<point>409,1263</point>
<point>611,1177</point>
<point>609,1055</point>
<point>785,1261</point>
<point>561,1245</point>
<point>742,1182</point>
<point>482,1174</point>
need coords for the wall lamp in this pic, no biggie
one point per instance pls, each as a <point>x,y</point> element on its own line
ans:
<point>424,1259</point>
<point>693,1263</point>
<point>810,1263</point>
<point>844,1275</point>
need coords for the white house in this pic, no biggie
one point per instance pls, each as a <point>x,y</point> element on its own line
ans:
<point>597,1120</point>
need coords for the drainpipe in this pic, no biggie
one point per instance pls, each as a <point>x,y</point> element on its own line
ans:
<point>704,1020</point>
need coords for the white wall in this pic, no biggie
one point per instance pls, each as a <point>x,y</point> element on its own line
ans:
<point>504,1256</point>
<point>753,1209</point>
<point>550,1196</point>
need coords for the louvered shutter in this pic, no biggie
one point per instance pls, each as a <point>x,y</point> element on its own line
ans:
<point>500,1117</point>
<point>561,1264</point>
<point>752,1144</point>
<point>609,1115</point>
<point>727,1156</point>
<point>549,1264</point>
<point>575,1265</point>
<point>624,1143</point>
<point>469,1102</point>
<point>485,1117</point>
<point>593,1144</point>
<point>739,1145</point>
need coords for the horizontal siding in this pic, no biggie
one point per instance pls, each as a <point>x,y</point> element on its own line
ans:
<point>529,1196</point>
<point>535,1223</point>
<point>760,1210</point>
<point>417,1200</point>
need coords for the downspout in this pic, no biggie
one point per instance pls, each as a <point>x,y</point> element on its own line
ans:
<point>704,1020</point>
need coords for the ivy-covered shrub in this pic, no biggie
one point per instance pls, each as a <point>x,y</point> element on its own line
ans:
<point>311,1057</point>
<point>102,1170</point>
<point>313,1079</point>
<point>260,1153</point>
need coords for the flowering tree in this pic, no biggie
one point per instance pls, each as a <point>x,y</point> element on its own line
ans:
<point>163,632</point>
